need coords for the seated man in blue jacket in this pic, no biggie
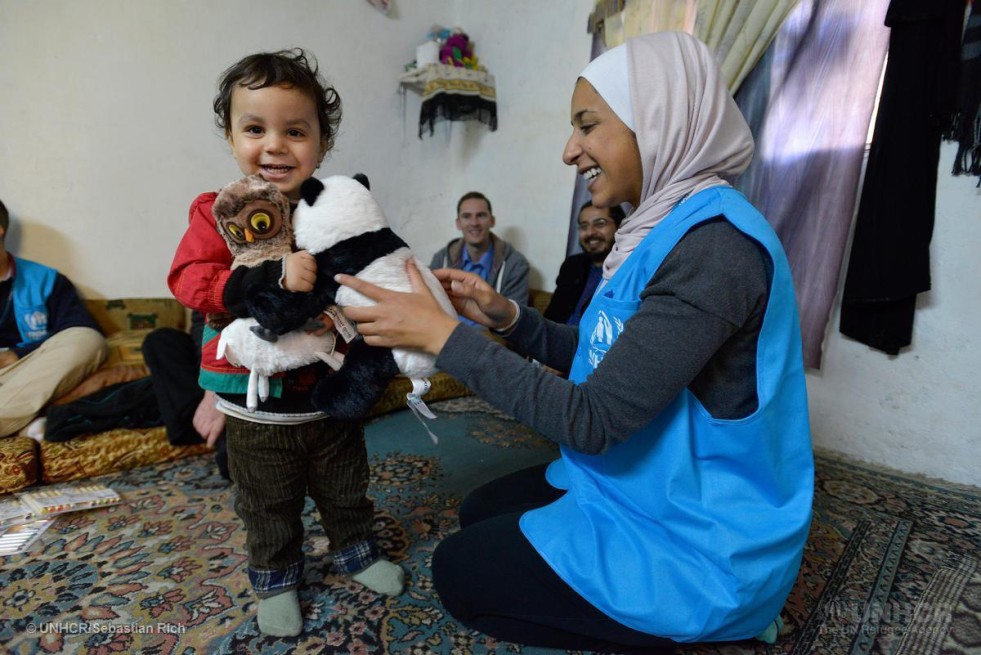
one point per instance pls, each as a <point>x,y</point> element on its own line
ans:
<point>49,342</point>
<point>478,250</point>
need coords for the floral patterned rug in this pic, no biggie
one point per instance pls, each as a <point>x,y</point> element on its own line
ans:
<point>163,572</point>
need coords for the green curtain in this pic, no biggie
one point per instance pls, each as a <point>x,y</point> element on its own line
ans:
<point>738,31</point>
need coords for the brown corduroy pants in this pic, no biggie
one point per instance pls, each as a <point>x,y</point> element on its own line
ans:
<point>275,467</point>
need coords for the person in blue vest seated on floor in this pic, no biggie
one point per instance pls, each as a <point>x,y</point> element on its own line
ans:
<point>680,506</point>
<point>49,342</point>
<point>481,251</point>
<point>581,273</point>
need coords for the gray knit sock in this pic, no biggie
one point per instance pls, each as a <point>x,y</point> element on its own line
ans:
<point>382,577</point>
<point>280,616</point>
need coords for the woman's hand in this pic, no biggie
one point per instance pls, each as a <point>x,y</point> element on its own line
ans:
<point>400,320</point>
<point>474,298</point>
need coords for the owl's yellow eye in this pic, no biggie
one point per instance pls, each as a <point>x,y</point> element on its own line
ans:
<point>237,233</point>
<point>261,222</point>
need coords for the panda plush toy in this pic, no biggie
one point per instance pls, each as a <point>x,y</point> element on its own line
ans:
<point>343,226</point>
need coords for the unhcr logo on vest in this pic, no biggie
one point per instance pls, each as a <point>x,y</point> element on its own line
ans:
<point>37,325</point>
<point>605,332</point>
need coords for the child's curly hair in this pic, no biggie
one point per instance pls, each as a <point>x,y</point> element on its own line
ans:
<point>292,68</point>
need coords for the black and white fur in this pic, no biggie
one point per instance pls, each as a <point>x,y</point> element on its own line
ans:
<point>341,224</point>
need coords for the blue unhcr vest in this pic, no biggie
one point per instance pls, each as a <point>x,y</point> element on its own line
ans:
<point>694,528</point>
<point>32,287</point>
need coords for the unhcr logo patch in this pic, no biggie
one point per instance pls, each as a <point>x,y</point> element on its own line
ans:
<point>37,325</point>
<point>605,332</point>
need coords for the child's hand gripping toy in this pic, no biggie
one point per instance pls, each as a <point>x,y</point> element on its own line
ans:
<point>341,224</point>
<point>254,219</point>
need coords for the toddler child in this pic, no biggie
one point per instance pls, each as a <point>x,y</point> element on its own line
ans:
<point>280,119</point>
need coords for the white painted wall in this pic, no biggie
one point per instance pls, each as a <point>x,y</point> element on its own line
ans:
<point>536,50</point>
<point>918,411</point>
<point>107,131</point>
<point>106,135</point>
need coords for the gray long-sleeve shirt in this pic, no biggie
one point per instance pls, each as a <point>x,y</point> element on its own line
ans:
<point>697,326</point>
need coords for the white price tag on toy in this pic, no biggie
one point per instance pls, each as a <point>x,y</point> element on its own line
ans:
<point>342,323</point>
<point>420,386</point>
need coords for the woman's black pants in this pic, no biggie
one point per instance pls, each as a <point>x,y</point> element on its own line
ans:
<point>491,579</point>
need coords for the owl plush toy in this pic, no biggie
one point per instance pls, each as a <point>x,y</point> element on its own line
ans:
<point>253,217</point>
<point>344,227</point>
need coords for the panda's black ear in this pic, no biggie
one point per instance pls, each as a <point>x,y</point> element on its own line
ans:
<point>363,179</point>
<point>310,189</point>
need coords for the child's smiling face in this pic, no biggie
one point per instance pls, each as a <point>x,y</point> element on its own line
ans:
<point>275,131</point>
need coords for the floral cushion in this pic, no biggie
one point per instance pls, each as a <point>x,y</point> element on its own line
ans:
<point>137,314</point>
<point>442,387</point>
<point>125,348</point>
<point>126,322</point>
<point>18,463</point>
<point>106,452</point>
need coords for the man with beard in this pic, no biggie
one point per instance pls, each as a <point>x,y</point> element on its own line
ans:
<point>580,274</point>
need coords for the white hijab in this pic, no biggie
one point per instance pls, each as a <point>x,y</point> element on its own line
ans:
<point>689,130</point>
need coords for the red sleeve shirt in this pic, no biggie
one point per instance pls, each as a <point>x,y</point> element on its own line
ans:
<point>202,263</point>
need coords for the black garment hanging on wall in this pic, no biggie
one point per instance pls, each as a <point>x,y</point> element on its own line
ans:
<point>890,255</point>
<point>965,127</point>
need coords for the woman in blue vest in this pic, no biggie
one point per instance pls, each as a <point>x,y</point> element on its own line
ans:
<point>680,505</point>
